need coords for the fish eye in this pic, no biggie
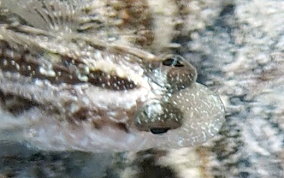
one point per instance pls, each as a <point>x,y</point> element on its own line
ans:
<point>158,117</point>
<point>180,74</point>
<point>159,130</point>
<point>173,61</point>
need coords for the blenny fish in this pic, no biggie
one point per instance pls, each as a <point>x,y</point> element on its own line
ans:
<point>98,75</point>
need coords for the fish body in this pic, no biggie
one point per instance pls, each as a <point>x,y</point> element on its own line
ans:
<point>96,76</point>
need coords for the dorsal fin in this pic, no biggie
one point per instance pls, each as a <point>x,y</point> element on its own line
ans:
<point>49,15</point>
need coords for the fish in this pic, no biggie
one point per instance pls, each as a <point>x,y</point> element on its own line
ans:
<point>99,76</point>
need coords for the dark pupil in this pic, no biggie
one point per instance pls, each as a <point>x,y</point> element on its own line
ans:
<point>172,62</point>
<point>159,130</point>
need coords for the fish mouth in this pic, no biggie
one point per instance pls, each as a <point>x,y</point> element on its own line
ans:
<point>198,114</point>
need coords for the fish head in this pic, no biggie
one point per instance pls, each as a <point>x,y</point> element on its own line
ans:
<point>166,77</point>
<point>185,114</point>
<point>175,111</point>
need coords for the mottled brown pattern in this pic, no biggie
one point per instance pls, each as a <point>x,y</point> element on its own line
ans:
<point>135,17</point>
<point>67,72</point>
<point>15,104</point>
<point>95,67</point>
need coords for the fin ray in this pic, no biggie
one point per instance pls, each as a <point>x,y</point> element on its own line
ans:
<point>50,15</point>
